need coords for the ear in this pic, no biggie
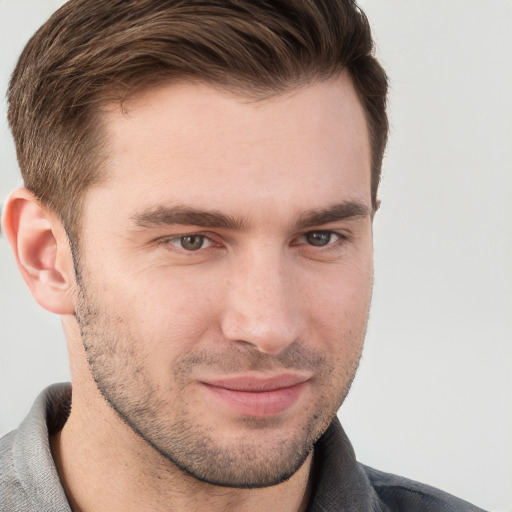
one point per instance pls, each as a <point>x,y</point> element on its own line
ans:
<point>41,248</point>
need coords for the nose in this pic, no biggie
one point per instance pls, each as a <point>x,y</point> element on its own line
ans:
<point>262,306</point>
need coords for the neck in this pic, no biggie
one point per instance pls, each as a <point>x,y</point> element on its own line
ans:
<point>104,465</point>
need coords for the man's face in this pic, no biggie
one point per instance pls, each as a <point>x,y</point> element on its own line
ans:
<point>225,273</point>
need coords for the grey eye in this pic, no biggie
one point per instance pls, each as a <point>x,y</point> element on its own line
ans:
<point>191,242</point>
<point>318,238</point>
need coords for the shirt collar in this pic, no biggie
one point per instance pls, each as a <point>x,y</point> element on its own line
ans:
<point>341,482</point>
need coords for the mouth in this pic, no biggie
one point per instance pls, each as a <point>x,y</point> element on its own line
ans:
<point>257,396</point>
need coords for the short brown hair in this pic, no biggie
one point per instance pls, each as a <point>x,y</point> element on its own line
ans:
<point>93,52</point>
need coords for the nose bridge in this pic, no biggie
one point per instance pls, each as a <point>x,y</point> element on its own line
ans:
<point>262,307</point>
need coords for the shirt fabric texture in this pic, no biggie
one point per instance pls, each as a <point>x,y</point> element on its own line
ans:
<point>29,481</point>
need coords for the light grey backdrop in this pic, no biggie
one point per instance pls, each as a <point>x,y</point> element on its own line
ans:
<point>432,399</point>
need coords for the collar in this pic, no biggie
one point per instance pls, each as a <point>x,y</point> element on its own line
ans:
<point>33,462</point>
<point>341,482</point>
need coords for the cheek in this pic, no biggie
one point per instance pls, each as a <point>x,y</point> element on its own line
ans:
<point>344,286</point>
<point>338,306</point>
<point>169,313</point>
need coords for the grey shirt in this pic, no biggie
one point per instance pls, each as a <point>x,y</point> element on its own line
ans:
<point>29,481</point>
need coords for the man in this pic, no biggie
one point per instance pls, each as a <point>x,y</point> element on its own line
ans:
<point>201,180</point>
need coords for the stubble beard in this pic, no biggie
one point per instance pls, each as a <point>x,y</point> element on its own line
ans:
<point>163,417</point>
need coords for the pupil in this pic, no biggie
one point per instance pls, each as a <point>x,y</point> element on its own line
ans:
<point>318,238</point>
<point>192,242</point>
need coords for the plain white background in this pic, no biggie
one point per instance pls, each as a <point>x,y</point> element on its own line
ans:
<point>432,400</point>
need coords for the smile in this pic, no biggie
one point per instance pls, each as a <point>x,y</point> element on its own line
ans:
<point>258,398</point>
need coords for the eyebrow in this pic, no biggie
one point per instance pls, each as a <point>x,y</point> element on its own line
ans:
<point>349,210</point>
<point>187,216</point>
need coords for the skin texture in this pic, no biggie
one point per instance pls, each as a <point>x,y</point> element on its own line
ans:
<point>274,287</point>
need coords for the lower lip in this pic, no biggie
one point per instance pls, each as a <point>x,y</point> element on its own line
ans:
<point>260,404</point>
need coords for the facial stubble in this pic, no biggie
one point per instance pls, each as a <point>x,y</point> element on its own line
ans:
<point>164,416</point>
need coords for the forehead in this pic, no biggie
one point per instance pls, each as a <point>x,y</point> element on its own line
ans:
<point>190,143</point>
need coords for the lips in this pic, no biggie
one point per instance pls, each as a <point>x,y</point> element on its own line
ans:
<point>258,397</point>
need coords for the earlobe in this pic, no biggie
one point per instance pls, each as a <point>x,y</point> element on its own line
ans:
<point>41,248</point>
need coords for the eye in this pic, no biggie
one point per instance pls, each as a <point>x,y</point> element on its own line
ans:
<point>191,242</point>
<point>320,238</point>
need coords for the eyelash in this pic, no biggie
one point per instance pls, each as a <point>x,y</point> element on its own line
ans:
<point>180,238</point>
<point>174,241</point>
<point>340,237</point>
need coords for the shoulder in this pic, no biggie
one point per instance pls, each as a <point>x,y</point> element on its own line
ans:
<point>400,493</point>
<point>12,493</point>
<point>342,483</point>
<point>28,478</point>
